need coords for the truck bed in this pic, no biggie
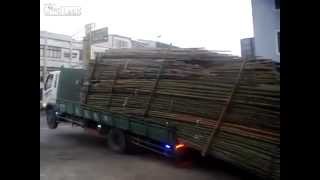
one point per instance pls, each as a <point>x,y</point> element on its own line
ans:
<point>70,109</point>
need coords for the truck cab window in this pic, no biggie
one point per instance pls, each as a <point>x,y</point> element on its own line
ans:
<point>48,82</point>
<point>55,81</point>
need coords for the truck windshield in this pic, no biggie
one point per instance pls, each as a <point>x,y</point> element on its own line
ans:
<point>48,82</point>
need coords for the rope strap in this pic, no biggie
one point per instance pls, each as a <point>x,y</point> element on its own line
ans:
<point>154,89</point>
<point>112,85</point>
<point>223,112</point>
<point>91,76</point>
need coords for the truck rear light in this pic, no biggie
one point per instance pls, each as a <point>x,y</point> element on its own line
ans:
<point>179,146</point>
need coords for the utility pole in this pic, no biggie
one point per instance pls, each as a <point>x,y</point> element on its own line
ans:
<point>86,50</point>
<point>70,65</point>
<point>44,70</point>
<point>87,41</point>
<point>93,36</point>
<point>89,48</point>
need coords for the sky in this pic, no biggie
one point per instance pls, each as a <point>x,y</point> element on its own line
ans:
<point>211,24</point>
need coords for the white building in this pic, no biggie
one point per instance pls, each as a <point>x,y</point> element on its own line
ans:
<point>114,42</point>
<point>55,50</point>
<point>155,44</point>
<point>58,48</point>
<point>266,24</point>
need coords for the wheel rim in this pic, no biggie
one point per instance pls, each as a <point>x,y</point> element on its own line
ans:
<point>51,119</point>
<point>117,141</point>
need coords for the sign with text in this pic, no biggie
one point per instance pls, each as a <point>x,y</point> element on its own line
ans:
<point>100,35</point>
<point>51,9</point>
<point>89,28</point>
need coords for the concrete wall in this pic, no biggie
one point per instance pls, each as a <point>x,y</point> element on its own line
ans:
<point>266,23</point>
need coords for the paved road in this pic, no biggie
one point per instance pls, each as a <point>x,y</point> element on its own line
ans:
<point>69,153</point>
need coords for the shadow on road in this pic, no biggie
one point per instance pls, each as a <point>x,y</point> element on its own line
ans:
<point>74,137</point>
<point>193,161</point>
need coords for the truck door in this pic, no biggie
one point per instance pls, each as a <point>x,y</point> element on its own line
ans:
<point>49,91</point>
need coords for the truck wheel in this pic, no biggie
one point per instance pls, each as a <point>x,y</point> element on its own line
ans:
<point>117,140</point>
<point>51,119</point>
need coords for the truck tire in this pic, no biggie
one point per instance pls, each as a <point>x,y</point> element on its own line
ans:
<point>51,118</point>
<point>117,140</point>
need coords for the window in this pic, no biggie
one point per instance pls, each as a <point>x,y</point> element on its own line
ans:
<point>41,51</point>
<point>125,44</point>
<point>48,82</point>
<point>278,42</point>
<point>277,4</point>
<point>117,43</point>
<point>58,53</point>
<point>74,55</point>
<point>66,55</point>
<point>120,44</point>
<point>52,52</point>
<point>80,55</point>
<point>49,51</point>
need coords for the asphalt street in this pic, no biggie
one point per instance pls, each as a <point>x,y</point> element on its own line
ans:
<point>70,153</point>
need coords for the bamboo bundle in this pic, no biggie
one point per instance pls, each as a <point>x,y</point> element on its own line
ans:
<point>219,104</point>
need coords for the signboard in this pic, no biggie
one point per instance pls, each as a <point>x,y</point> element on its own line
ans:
<point>100,35</point>
<point>89,28</point>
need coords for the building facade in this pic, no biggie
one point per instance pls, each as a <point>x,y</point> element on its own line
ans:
<point>55,50</point>
<point>266,24</point>
<point>58,50</point>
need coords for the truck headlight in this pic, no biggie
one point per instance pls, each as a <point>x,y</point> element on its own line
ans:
<point>44,105</point>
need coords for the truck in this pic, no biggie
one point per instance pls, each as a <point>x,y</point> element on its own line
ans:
<point>61,101</point>
<point>173,101</point>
